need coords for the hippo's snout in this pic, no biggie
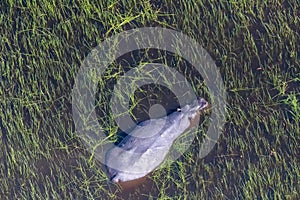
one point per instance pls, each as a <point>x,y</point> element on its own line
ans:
<point>202,103</point>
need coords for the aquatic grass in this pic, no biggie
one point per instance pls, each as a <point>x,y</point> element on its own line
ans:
<point>254,44</point>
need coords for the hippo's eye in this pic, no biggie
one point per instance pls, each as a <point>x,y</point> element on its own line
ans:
<point>178,109</point>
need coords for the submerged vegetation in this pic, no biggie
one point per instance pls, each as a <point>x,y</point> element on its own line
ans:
<point>255,46</point>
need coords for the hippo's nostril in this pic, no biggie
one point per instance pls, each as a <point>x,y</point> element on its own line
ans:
<point>202,103</point>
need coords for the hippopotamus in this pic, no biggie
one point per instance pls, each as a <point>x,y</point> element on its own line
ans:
<point>146,147</point>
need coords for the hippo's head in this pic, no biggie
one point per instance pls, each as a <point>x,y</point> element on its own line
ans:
<point>196,106</point>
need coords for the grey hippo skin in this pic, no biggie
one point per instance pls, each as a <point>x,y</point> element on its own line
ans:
<point>145,148</point>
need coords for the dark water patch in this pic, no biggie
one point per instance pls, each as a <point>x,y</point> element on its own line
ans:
<point>4,132</point>
<point>258,31</point>
<point>291,8</point>
<point>156,5</point>
<point>58,112</point>
<point>134,58</point>
<point>71,167</point>
<point>5,147</point>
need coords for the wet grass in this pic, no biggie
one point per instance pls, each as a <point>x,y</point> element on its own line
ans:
<point>255,46</point>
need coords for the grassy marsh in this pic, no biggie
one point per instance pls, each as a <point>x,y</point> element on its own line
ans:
<point>255,46</point>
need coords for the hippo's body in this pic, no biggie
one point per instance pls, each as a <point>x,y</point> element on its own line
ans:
<point>145,148</point>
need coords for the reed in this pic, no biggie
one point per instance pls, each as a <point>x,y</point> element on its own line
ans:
<point>255,46</point>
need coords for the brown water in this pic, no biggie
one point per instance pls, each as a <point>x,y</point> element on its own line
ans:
<point>136,189</point>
